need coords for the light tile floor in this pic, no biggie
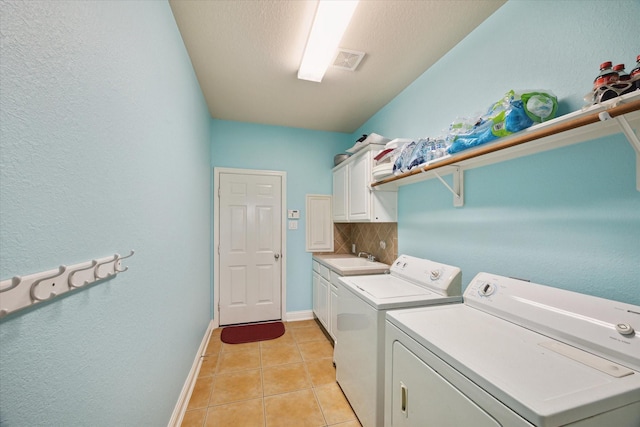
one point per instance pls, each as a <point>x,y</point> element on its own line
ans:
<point>289,381</point>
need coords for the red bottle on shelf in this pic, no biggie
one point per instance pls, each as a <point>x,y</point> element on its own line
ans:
<point>624,84</point>
<point>635,74</point>
<point>606,76</point>
<point>622,74</point>
<point>603,84</point>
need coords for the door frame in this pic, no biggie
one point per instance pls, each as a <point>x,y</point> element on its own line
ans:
<point>216,236</point>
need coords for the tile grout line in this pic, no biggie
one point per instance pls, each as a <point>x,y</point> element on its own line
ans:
<point>261,349</point>
<point>264,405</point>
<point>313,387</point>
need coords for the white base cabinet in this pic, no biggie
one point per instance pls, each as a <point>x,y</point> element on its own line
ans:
<point>325,297</point>
<point>320,299</point>
<point>333,305</point>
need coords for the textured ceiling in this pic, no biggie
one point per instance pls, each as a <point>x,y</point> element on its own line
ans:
<point>246,56</point>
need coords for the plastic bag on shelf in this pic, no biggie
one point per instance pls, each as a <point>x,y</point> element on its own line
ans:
<point>461,125</point>
<point>419,154</point>
<point>402,161</point>
<point>513,113</point>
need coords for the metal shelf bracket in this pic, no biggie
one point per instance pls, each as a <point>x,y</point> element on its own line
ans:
<point>458,185</point>
<point>628,131</point>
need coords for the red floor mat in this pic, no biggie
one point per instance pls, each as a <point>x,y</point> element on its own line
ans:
<point>251,333</point>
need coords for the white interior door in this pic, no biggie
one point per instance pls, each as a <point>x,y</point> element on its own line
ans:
<point>250,248</point>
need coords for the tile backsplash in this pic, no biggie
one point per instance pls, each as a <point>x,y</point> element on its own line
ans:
<point>367,238</point>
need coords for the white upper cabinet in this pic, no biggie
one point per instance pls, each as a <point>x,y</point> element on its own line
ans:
<point>340,193</point>
<point>353,198</point>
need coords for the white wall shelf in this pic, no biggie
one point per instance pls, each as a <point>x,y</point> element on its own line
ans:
<point>618,115</point>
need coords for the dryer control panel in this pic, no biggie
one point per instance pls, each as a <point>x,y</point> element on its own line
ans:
<point>584,321</point>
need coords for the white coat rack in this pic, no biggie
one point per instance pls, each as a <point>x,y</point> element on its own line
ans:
<point>24,291</point>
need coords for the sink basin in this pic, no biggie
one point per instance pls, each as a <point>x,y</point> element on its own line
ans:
<point>352,262</point>
<point>353,265</point>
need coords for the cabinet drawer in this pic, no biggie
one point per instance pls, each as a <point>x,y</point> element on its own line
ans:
<point>325,272</point>
<point>335,279</point>
<point>316,266</point>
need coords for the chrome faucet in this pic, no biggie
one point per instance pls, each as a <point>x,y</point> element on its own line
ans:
<point>368,255</point>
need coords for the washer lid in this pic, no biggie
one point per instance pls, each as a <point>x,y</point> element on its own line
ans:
<point>392,289</point>
<point>385,291</point>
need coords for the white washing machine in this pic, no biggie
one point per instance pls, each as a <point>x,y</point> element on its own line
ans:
<point>514,354</point>
<point>362,304</point>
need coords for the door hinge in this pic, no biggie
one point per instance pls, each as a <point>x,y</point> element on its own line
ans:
<point>218,249</point>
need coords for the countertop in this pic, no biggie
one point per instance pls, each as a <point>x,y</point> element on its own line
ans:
<point>368,268</point>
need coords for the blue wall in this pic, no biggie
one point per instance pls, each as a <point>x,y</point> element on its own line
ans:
<point>107,145</point>
<point>307,157</point>
<point>104,148</point>
<point>568,218</point>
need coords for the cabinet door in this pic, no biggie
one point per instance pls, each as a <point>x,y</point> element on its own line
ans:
<point>316,287</point>
<point>359,205</point>
<point>340,193</point>
<point>384,206</point>
<point>319,227</point>
<point>323,302</point>
<point>421,397</point>
<point>333,310</point>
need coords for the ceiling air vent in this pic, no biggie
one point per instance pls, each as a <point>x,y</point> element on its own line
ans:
<point>348,59</point>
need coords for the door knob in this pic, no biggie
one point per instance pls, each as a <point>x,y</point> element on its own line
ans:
<point>276,256</point>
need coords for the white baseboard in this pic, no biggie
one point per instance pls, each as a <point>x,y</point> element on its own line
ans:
<point>293,316</point>
<point>183,400</point>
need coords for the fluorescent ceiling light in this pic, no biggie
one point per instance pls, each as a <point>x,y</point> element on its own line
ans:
<point>329,25</point>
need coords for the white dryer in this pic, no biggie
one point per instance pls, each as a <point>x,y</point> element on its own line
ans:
<point>363,302</point>
<point>514,354</point>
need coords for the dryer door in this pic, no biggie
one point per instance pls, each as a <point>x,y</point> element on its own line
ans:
<point>421,397</point>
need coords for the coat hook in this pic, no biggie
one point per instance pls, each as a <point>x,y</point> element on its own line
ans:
<point>86,282</point>
<point>15,281</point>
<point>97,268</point>
<point>115,264</point>
<point>32,291</point>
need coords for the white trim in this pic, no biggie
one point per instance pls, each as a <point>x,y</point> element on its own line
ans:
<point>294,316</point>
<point>183,400</point>
<point>216,236</point>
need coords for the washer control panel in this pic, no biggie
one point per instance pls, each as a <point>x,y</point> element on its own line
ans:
<point>625,329</point>
<point>486,289</point>
<point>444,279</point>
